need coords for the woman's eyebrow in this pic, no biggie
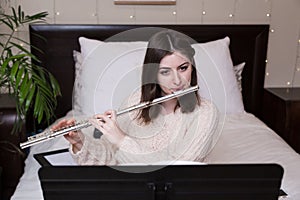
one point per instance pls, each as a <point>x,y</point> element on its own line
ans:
<point>164,67</point>
<point>184,63</point>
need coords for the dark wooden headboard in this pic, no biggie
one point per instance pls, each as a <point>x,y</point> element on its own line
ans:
<point>57,42</point>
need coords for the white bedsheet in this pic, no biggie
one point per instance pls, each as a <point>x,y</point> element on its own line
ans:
<point>244,139</point>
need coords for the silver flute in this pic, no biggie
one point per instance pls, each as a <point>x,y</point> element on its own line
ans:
<point>49,134</point>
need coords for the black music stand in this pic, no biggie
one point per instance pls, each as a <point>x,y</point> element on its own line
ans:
<point>175,182</point>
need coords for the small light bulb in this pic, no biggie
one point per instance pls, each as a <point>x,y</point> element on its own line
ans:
<point>94,14</point>
<point>21,44</point>
<point>299,41</point>
<point>272,30</point>
<point>288,83</point>
<point>298,69</point>
<point>267,74</point>
<point>268,15</point>
<point>57,13</point>
<point>16,29</point>
<point>131,16</point>
<point>266,61</point>
<point>203,13</point>
<point>230,15</point>
<point>174,12</point>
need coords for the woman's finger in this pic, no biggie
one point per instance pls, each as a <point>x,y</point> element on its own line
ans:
<point>113,114</point>
<point>73,137</point>
<point>97,123</point>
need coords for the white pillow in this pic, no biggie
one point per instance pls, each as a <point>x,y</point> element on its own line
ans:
<point>216,77</point>
<point>112,71</point>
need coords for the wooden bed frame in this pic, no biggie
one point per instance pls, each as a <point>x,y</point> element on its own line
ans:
<point>57,42</point>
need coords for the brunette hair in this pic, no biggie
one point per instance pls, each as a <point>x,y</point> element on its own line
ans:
<point>161,44</point>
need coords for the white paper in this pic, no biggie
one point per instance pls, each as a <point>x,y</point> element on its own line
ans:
<point>64,158</point>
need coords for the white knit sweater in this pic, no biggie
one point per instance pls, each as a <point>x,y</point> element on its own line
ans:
<point>171,137</point>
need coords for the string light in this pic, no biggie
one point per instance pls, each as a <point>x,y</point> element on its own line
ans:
<point>203,13</point>
<point>174,12</point>
<point>131,16</point>
<point>57,13</point>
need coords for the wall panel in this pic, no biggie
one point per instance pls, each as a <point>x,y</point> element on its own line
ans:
<point>155,14</point>
<point>108,13</point>
<point>282,51</point>
<point>189,12</point>
<point>75,12</point>
<point>244,11</point>
<point>218,11</point>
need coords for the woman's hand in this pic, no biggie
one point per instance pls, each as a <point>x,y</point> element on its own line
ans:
<point>74,137</point>
<point>107,124</point>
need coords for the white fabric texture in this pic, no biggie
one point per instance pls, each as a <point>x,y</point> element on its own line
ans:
<point>244,139</point>
<point>110,72</point>
<point>216,76</point>
<point>77,84</point>
<point>176,136</point>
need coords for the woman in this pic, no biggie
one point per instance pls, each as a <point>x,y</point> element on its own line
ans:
<point>182,128</point>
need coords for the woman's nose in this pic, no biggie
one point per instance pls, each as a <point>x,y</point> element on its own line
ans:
<point>176,79</point>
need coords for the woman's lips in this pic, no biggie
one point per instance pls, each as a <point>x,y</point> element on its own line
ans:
<point>176,89</point>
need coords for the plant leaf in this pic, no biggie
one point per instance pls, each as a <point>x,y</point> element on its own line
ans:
<point>14,70</point>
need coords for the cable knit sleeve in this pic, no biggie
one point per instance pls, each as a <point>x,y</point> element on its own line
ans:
<point>201,134</point>
<point>95,152</point>
<point>178,136</point>
<point>188,137</point>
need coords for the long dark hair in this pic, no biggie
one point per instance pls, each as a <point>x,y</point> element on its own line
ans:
<point>161,44</point>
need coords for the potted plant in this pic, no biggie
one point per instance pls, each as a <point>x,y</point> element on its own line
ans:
<point>33,88</point>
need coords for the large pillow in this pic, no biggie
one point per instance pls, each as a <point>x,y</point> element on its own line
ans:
<point>216,76</point>
<point>111,71</point>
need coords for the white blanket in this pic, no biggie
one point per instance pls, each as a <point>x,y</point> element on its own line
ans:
<point>244,139</point>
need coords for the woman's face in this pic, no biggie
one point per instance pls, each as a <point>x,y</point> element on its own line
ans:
<point>174,73</point>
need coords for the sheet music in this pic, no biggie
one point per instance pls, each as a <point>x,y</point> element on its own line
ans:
<point>64,158</point>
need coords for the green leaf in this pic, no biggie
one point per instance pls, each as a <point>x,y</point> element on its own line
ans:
<point>19,14</point>
<point>55,85</point>
<point>14,70</point>
<point>29,98</point>
<point>15,17</point>
<point>28,53</point>
<point>24,89</point>
<point>6,62</point>
<point>20,75</point>
<point>8,23</point>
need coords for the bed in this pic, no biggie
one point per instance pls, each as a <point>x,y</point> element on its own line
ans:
<point>244,138</point>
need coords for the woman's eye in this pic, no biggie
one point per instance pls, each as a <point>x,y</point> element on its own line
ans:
<point>183,68</point>
<point>164,72</point>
